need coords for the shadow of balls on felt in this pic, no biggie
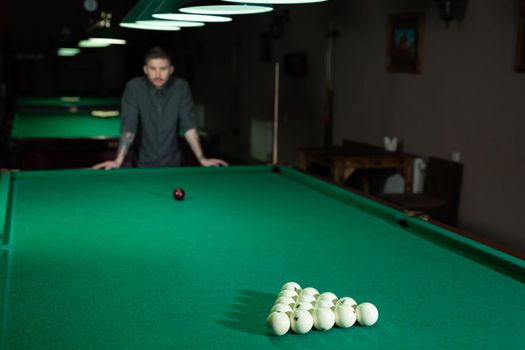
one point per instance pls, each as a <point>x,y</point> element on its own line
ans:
<point>248,312</point>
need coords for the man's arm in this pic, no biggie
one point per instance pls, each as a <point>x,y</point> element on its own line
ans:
<point>126,139</point>
<point>129,121</point>
<point>193,140</point>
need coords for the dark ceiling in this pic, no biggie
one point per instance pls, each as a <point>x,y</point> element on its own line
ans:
<point>42,25</point>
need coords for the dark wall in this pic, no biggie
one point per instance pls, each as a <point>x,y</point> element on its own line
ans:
<point>3,83</point>
<point>467,99</point>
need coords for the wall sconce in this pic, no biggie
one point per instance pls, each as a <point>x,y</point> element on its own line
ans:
<point>450,10</point>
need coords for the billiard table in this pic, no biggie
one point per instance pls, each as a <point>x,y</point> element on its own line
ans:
<point>64,125</point>
<point>109,260</point>
<point>57,103</point>
<point>59,139</point>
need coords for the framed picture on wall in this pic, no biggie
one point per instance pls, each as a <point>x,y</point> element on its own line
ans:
<point>520,48</point>
<point>405,43</point>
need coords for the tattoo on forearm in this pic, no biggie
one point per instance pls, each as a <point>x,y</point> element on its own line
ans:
<point>125,142</point>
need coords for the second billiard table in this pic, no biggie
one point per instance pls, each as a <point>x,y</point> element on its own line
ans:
<point>65,103</point>
<point>109,260</point>
<point>41,140</point>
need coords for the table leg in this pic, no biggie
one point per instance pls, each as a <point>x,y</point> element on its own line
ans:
<point>341,172</point>
<point>408,171</point>
<point>303,164</point>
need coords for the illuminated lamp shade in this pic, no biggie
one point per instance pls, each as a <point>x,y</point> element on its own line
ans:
<point>130,20</point>
<point>91,44</point>
<point>143,26</point>
<point>68,51</point>
<point>107,36</point>
<point>169,9</point>
<point>146,17</point>
<point>275,2</point>
<point>217,7</point>
<point>164,23</point>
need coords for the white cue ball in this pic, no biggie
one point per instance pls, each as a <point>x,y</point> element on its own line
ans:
<point>345,316</point>
<point>346,301</point>
<point>301,321</point>
<point>288,293</point>
<point>324,319</point>
<point>307,298</point>
<point>324,304</point>
<point>328,296</point>
<point>281,308</point>
<point>367,314</point>
<point>278,323</point>
<point>303,306</point>
<point>292,286</point>
<point>284,300</point>
<point>310,291</point>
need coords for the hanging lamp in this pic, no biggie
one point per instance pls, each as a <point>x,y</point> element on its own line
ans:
<point>105,33</point>
<point>169,9</point>
<point>275,2</point>
<point>217,7</point>
<point>130,20</point>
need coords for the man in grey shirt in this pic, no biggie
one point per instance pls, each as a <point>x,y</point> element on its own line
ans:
<point>153,107</point>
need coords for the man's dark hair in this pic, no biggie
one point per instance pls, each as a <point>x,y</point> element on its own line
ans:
<point>156,52</point>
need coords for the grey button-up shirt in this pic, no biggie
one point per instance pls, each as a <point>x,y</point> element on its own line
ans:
<point>154,116</point>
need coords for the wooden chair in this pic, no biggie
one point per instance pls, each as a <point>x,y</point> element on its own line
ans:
<point>441,192</point>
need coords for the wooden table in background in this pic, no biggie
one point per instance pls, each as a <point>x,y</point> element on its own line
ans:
<point>343,161</point>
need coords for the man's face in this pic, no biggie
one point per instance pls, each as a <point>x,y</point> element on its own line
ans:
<point>158,71</point>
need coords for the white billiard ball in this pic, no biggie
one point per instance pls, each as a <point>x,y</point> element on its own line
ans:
<point>282,308</point>
<point>288,293</point>
<point>303,306</point>
<point>278,323</point>
<point>306,298</point>
<point>345,316</point>
<point>310,291</point>
<point>324,304</point>
<point>367,314</point>
<point>324,319</point>
<point>328,296</point>
<point>284,300</point>
<point>292,286</point>
<point>346,301</point>
<point>301,321</point>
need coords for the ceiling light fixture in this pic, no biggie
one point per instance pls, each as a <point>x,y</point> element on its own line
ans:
<point>216,7</point>
<point>105,33</point>
<point>68,51</point>
<point>91,44</point>
<point>276,2</point>
<point>143,26</point>
<point>146,17</point>
<point>163,23</point>
<point>130,19</point>
<point>169,9</point>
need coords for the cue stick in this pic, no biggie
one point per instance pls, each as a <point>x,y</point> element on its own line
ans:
<point>328,117</point>
<point>276,114</point>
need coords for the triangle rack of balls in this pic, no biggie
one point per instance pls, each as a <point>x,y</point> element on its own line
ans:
<point>301,309</point>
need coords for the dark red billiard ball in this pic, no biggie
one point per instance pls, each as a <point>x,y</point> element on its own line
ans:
<point>178,194</point>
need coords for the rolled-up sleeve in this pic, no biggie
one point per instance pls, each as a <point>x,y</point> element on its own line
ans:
<point>186,111</point>
<point>129,114</point>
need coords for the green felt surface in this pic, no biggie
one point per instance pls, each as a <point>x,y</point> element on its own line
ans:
<point>68,126</point>
<point>68,101</point>
<point>64,125</point>
<point>108,260</point>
